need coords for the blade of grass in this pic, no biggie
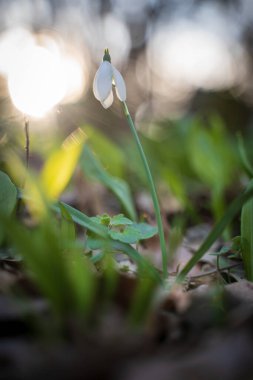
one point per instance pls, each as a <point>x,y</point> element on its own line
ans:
<point>41,251</point>
<point>142,302</point>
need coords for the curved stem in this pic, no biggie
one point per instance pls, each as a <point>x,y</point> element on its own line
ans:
<point>152,191</point>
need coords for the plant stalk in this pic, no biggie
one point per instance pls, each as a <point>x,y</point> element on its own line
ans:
<point>152,191</point>
<point>27,141</point>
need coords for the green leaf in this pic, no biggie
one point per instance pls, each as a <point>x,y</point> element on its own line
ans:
<point>68,232</point>
<point>133,233</point>
<point>8,199</point>
<point>68,281</point>
<point>8,194</point>
<point>127,235</point>
<point>123,229</point>
<point>60,166</point>
<point>244,157</point>
<point>101,144</point>
<point>116,220</point>
<point>120,220</point>
<point>247,236</point>
<point>211,159</point>
<point>82,219</point>
<point>100,230</point>
<point>176,183</point>
<point>94,243</point>
<point>104,219</point>
<point>93,169</point>
<point>145,230</point>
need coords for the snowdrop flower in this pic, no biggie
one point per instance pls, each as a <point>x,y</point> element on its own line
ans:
<point>106,77</point>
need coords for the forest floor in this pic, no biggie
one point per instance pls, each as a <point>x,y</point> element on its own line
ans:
<point>202,329</point>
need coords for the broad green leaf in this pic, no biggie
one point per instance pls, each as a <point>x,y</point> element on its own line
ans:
<point>93,243</point>
<point>60,166</point>
<point>133,233</point>
<point>116,220</point>
<point>114,161</point>
<point>104,219</point>
<point>244,157</point>
<point>8,194</point>
<point>123,229</point>
<point>119,220</point>
<point>210,157</point>
<point>174,179</point>
<point>126,235</point>
<point>218,229</point>
<point>247,236</point>
<point>145,230</point>
<point>93,169</point>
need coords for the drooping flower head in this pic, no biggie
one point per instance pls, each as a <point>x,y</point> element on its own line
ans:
<point>106,77</point>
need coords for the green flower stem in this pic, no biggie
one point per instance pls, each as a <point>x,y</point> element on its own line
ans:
<point>152,190</point>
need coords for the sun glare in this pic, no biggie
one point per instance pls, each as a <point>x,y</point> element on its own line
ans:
<point>39,72</point>
<point>36,83</point>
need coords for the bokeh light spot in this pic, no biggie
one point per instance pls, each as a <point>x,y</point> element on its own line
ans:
<point>36,83</point>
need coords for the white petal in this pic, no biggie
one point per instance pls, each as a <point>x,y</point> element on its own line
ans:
<point>120,84</point>
<point>108,101</point>
<point>102,83</point>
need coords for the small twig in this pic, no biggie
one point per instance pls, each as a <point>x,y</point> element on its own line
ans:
<point>218,264</point>
<point>213,271</point>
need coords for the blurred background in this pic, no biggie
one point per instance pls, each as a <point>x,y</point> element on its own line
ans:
<point>188,69</point>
